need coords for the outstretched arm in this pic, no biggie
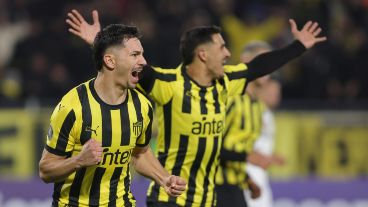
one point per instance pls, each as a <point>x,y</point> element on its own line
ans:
<point>305,38</point>
<point>79,27</point>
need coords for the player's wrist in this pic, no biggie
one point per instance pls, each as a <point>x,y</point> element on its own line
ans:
<point>77,162</point>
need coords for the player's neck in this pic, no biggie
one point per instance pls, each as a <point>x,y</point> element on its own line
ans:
<point>109,91</point>
<point>199,74</point>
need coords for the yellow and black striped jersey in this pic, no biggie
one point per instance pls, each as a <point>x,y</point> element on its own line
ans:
<point>191,122</point>
<point>82,115</point>
<point>243,127</point>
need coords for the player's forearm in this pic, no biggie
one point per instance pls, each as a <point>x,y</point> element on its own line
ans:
<point>147,165</point>
<point>56,169</point>
<point>267,63</point>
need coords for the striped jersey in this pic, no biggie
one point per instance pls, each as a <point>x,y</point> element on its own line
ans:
<point>82,115</point>
<point>191,120</point>
<point>243,127</point>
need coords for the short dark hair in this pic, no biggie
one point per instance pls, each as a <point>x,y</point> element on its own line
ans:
<point>112,35</point>
<point>192,38</point>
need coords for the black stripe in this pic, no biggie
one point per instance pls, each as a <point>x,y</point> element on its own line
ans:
<point>63,137</point>
<point>137,106</point>
<point>125,124</point>
<point>229,108</point>
<point>94,193</point>
<point>180,156</point>
<point>114,186</point>
<point>194,171</point>
<point>86,113</point>
<point>182,150</point>
<point>165,76</point>
<point>167,123</point>
<point>214,198</point>
<point>76,187</point>
<point>208,169</point>
<point>148,132</point>
<point>106,127</point>
<point>252,116</point>
<point>203,102</point>
<point>237,75</point>
<point>57,152</point>
<point>216,98</point>
<point>57,191</point>
<point>127,189</point>
<point>243,103</point>
<point>187,96</point>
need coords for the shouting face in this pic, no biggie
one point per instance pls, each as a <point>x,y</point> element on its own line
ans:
<point>126,61</point>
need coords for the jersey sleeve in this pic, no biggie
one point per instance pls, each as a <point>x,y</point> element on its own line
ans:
<point>157,83</point>
<point>235,78</point>
<point>60,137</point>
<point>145,137</point>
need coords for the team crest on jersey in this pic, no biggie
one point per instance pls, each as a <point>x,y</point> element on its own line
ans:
<point>137,128</point>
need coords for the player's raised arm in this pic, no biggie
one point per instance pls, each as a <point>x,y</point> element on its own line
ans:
<point>268,62</point>
<point>81,28</point>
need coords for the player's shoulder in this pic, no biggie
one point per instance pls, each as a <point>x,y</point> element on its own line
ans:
<point>167,74</point>
<point>70,97</point>
<point>71,100</point>
<point>165,70</point>
<point>235,68</point>
<point>142,98</point>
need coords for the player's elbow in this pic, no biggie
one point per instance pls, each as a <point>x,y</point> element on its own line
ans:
<point>44,175</point>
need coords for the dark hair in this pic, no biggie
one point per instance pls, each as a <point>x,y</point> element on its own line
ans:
<point>112,35</point>
<point>192,38</point>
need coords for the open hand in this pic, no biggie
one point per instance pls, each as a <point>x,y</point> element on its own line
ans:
<point>308,34</point>
<point>81,28</point>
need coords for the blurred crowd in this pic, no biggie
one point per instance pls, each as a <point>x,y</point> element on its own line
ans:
<point>40,59</point>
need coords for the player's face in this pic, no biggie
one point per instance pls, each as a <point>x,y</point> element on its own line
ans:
<point>129,63</point>
<point>218,54</point>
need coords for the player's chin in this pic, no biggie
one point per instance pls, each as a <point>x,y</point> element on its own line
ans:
<point>220,75</point>
<point>132,85</point>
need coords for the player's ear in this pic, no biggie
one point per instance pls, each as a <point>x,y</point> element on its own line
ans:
<point>109,61</point>
<point>202,54</point>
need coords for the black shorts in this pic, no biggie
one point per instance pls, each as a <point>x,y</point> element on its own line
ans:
<point>160,204</point>
<point>229,195</point>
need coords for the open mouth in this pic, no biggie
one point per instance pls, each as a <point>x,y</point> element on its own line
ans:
<point>136,72</point>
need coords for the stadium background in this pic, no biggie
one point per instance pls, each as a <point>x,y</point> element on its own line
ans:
<point>322,124</point>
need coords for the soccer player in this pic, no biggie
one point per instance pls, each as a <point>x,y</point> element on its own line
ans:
<point>190,102</point>
<point>243,126</point>
<point>102,125</point>
<point>244,122</point>
<point>262,156</point>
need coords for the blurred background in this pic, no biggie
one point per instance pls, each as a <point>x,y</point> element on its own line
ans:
<point>322,124</point>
